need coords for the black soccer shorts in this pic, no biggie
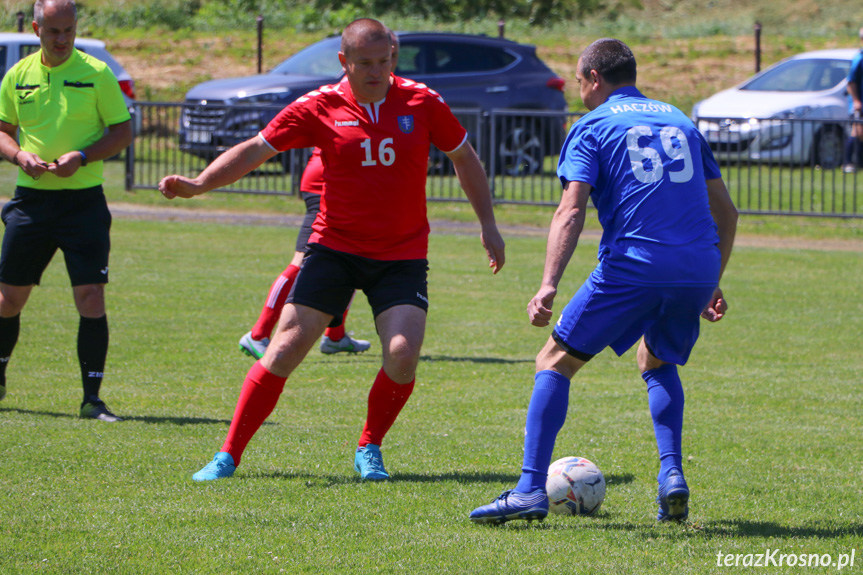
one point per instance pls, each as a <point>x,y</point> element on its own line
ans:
<point>328,278</point>
<point>38,222</point>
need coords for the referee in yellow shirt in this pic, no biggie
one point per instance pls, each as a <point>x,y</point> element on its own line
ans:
<point>68,113</point>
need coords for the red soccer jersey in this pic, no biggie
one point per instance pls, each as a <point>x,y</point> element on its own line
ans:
<point>313,176</point>
<point>375,160</point>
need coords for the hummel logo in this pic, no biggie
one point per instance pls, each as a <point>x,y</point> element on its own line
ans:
<point>104,271</point>
<point>347,123</point>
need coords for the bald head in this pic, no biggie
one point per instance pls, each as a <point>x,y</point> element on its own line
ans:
<point>40,6</point>
<point>363,31</point>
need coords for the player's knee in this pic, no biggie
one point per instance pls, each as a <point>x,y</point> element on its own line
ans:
<point>646,359</point>
<point>555,358</point>
<point>401,358</point>
<point>90,300</point>
<point>12,302</point>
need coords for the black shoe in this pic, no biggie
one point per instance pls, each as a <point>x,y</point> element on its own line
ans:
<point>98,411</point>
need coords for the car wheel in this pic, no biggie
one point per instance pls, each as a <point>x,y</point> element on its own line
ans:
<point>829,147</point>
<point>521,151</point>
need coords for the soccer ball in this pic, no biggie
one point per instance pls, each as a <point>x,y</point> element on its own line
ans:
<point>575,487</point>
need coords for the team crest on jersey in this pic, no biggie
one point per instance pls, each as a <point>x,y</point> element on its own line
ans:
<point>406,124</point>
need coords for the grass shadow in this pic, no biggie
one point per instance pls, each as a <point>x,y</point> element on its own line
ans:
<point>42,413</point>
<point>152,419</point>
<point>314,480</point>
<point>450,358</point>
<point>730,528</point>
<point>743,528</point>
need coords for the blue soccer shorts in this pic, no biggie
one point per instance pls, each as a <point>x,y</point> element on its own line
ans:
<point>605,313</point>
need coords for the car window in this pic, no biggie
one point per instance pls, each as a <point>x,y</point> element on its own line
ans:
<point>27,49</point>
<point>801,76</point>
<point>454,58</point>
<point>410,60</point>
<point>319,59</point>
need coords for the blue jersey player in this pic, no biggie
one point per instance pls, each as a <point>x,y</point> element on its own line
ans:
<point>855,111</point>
<point>668,228</point>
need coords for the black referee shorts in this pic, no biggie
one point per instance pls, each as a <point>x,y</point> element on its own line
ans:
<point>328,278</point>
<point>38,222</point>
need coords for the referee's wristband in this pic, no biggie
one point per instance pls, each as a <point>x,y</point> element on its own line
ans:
<point>83,158</point>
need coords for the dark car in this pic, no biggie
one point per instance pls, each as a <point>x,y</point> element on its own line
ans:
<point>470,72</point>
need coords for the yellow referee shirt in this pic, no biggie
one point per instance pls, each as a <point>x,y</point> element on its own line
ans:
<point>60,110</point>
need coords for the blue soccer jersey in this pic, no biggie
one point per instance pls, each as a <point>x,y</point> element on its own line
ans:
<point>855,76</point>
<point>647,164</point>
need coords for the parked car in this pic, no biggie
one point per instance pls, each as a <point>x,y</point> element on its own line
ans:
<point>794,112</point>
<point>469,71</point>
<point>14,47</point>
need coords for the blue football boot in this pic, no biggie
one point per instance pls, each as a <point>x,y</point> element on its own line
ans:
<point>673,498</point>
<point>513,505</point>
<point>369,463</point>
<point>220,467</point>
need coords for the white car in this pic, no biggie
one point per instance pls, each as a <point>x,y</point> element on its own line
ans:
<point>794,112</point>
<point>14,47</point>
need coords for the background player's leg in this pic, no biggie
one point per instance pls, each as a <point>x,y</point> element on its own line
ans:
<point>255,342</point>
<point>336,339</point>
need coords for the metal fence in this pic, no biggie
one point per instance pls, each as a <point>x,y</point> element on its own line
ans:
<point>776,166</point>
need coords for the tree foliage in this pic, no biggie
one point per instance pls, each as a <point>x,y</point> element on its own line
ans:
<point>537,12</point>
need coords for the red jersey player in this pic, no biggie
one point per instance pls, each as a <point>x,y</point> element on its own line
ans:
<point>374,132</point>
<point>254,343</point>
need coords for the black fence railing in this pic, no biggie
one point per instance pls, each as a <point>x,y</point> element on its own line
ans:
<point>777,166</point>
<point>788,166</point>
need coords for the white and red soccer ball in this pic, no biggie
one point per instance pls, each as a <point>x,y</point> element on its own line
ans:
<point>575,487</point>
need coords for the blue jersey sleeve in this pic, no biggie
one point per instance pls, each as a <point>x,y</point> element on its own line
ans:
<point>579,160</point>
<point>855,76</point>
<point>855,73</point>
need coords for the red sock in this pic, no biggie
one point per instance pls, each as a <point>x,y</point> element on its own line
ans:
<point>337,333</point>
<point>258,398</point>
<point>275,301</point>
<point>386,400</point>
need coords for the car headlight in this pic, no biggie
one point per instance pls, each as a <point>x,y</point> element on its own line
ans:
<point>269,97</point>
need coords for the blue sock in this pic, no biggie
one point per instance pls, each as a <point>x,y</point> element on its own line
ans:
<point>545,416</point>
<point>665,398</point>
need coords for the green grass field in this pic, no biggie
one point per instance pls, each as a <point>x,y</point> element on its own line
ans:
<point>772,431</point>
